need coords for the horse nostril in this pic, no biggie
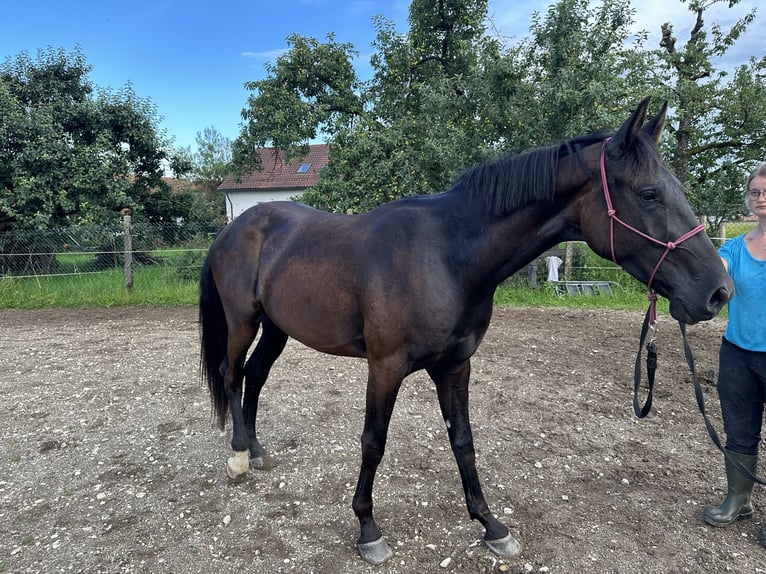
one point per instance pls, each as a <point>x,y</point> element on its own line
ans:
<point>720,298</point>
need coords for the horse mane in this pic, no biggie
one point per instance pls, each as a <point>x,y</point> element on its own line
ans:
<point>513,180</point>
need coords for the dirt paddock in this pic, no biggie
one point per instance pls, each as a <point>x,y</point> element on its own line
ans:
<point>110,462</point>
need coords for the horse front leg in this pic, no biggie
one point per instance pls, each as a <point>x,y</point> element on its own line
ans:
<point>452,390</point>
<point>382,389</point>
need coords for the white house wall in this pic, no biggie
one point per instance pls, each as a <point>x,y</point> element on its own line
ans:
<point>239,201</point>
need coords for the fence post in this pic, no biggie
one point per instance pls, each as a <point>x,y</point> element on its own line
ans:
<point>128,249</point>
<point>568,253</point>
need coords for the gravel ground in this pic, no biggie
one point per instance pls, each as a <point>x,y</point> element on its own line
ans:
<point>111,463</point>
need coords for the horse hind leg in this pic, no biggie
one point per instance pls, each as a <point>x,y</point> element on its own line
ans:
<point>240,337</point>
<point>270,345</point>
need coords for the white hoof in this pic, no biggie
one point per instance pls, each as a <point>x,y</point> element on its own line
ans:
<point>238,465</point>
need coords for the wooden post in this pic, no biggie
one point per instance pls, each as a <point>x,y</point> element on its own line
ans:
<point>568,253</point>
<point>128,249</point>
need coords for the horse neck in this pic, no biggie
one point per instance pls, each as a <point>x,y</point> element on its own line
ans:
<point>504,245</point>
<point>514,241</point>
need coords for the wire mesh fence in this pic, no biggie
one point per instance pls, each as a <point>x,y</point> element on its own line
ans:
<point>182,247</point>
<point>95,249</point>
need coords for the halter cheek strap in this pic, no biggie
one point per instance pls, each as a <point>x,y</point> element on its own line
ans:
<point>669,246</point>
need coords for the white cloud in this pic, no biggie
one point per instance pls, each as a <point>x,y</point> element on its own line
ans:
<point>266,56</point>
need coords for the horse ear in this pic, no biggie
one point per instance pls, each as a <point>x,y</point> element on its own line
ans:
<point>627,133</point>
<point>656,125</point>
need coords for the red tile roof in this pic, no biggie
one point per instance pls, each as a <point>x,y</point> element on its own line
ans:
<point>276,174</point>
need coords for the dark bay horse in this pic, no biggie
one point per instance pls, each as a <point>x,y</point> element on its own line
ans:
<point>409,285</point>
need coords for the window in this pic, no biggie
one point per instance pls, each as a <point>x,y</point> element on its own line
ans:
<point>304,168</point>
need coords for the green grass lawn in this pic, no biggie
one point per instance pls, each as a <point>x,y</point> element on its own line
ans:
<point>165,286</point>
<point>152,286</point>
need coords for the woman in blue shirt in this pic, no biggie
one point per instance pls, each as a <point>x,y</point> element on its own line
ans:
<point>742,357</point>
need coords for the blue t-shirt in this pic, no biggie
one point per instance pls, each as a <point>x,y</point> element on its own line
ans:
<point>747,308</point>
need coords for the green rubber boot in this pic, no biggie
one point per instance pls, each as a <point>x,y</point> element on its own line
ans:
<point>737,505</point>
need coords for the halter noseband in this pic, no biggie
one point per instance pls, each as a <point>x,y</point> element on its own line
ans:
<point>669,246</point>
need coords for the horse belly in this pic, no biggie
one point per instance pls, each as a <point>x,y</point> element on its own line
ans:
<point>327,322</point>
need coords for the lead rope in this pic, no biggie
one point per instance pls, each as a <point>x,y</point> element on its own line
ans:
<point>649,329</point>
<point>649,326</point>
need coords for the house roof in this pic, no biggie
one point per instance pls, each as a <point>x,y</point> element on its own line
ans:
<point>298,173</point>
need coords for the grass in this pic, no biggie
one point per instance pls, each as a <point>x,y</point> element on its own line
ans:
<point>545,297</point>
<point>152,286</point>
<point>166,286</point>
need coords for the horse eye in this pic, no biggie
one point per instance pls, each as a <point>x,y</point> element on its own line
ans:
<point>648,194</point>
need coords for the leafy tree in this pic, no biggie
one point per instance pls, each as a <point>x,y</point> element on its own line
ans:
<point>208,167</point>
<point>582,72</point>
<point>212,162</point>
<point>409,130</point>
<point>445,95</point>
<point>69,155</point>
<point>719,120</point>
<point>311,88</point>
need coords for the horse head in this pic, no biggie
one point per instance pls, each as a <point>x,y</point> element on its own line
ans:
<point>635,213</point>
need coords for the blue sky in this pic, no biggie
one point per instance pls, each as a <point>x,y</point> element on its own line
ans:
<point>192,57</point>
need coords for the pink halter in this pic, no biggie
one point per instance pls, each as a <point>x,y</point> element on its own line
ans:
<point>669,246</point>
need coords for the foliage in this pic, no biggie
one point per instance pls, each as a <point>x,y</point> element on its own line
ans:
<point>446,95</point>
<point>212,161</point>
<point>581,71</point>
<point>310,88</point>
<point>719,122</point>
<point>409,130</point>
<point>71,154</point>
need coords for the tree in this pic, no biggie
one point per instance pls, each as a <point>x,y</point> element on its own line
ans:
<point>445,95</point>
<point>719,121</point>
<point>69,154</point>
<point>422,120</point>
<point>582,72</point>
<point>212,162</point>
<point>310,89</point>
<point>409,130</point>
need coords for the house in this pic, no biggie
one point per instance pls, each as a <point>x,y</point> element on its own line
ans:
<point>277,180</point>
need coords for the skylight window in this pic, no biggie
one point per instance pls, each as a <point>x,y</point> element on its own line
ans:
<point>304,168</point>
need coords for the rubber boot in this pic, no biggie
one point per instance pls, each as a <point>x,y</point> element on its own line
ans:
<point>737,505</point>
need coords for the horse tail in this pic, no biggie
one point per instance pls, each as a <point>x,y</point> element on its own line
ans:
<point>213,331</point>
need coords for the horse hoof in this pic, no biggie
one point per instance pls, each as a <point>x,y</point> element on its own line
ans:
<point>375,552</point>
<point>505,546</point>
<point>264,462</point>
<point>256,462</point>
<point>237,466</point>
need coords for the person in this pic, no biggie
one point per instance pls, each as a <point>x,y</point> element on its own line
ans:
<point>742,358</point>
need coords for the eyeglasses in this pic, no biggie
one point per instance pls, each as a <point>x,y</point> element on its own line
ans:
<point>756,193</point>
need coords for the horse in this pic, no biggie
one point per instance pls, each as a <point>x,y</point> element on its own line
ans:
<point>409,285</point>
